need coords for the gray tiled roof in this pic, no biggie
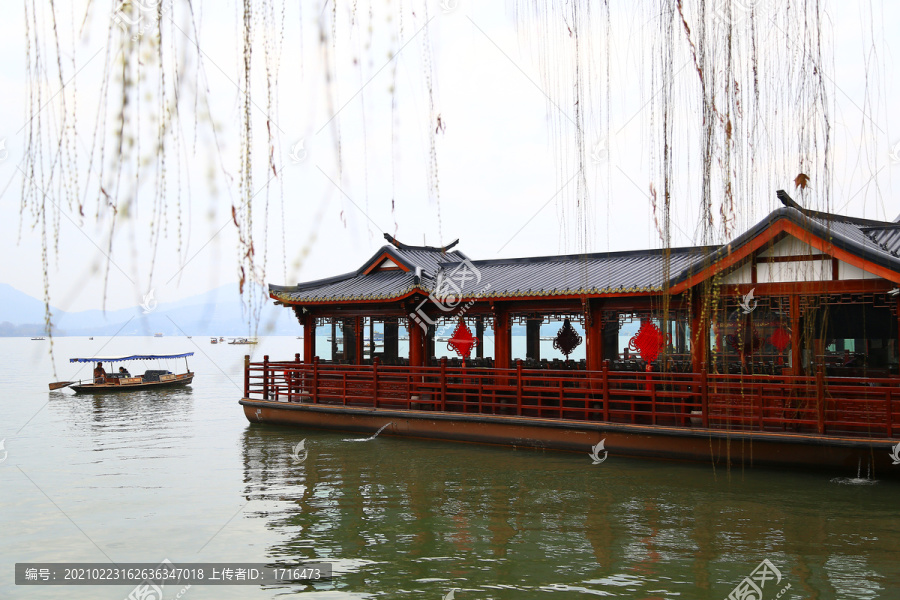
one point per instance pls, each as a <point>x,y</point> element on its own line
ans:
<point>422,261</point>
<point>602,273</point>
<point>583,274</point>
<point>871,238</point>
<point>378,285</point>
<point>886,238</point>
<point>591,274</point>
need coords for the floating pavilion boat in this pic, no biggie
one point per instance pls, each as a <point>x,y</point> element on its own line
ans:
<point>243,341</point>
<point>116,382</point>
<point>214,340</point>
<point>779,348</point>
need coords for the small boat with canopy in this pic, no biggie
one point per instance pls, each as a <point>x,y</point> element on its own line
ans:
<point>122,380</point>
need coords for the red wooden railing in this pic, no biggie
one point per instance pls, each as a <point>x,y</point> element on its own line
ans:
<point>857,407</point>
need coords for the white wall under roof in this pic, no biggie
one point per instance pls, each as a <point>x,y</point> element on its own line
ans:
<point>803,270</point>
<point>387,263</point>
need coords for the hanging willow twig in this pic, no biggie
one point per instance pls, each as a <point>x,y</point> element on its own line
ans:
<point>733,102</point>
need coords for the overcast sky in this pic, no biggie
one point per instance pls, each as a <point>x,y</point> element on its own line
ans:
<point>499,167</point>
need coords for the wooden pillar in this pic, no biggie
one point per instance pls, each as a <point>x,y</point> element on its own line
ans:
<point>352,341</point>
<point>820,397</point>
<point>819,351</point>
<point>357,350</point>
<point>391,337</point>
<point>610,331</point>
<point>266,377</point>
<point>479,333</point>
<point>375,362</point>
<point>309,337</point>
<point>334,338</point>
<point>502,337</point>
<point>246,376</point>
<point>594,334</point>
<point>699,331</point>
<point>416,343</point>
<point>315,380</point>
<point>429,344</point>
<point>796,367</point>
<point>533,338</point>
<point>897,346</point>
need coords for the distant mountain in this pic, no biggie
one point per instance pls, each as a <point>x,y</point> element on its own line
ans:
<point>215,313</point>
<point>18,308</point>
<point>7,329</point>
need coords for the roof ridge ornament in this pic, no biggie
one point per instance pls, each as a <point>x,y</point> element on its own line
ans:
<point>787,200</point>
<point>817,214</point>
<point>401,246</point>
<point>396,243</point>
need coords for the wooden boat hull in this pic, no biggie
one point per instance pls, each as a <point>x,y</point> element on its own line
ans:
<point>723,449</point>
<point>105,388</point>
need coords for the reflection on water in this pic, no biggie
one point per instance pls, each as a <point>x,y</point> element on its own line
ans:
<point>164,403</point>
<point>179,473</point>
<point>149,420</point>
<point>416,518</point>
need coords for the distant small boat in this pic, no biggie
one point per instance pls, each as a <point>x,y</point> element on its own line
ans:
<point>243,341</point>
<point>221,339</point>
<point>214,341</point>
<point>90,338</point>
<point>38,338</point>
<point>157,335</point>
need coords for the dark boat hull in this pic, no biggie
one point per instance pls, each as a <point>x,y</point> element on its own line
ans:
<point>723,449</point>
<point>105,388</point>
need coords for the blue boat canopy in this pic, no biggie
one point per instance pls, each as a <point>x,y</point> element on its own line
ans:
<point>132,357</point>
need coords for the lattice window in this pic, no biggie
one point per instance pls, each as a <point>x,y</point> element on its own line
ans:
<point>546,318</point>
<point>876,300</point>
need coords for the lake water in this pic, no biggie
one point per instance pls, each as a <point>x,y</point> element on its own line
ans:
<point>182,475</point>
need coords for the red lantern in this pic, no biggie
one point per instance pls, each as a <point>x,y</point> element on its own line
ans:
<point>780,338</point>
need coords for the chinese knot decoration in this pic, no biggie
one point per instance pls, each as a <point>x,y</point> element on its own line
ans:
<point>744,342</point>
<point>567,339</point>
<point>462,341</point>
<point>648,341</point>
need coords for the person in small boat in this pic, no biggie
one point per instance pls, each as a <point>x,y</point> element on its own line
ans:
<point>123,372</point>
<point>99,373</point>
